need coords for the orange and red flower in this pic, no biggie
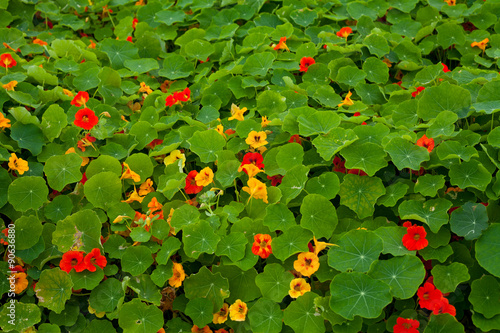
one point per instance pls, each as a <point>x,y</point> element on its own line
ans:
<point>305,62</point>
<point>7,61</point>
<point>281,44</point>
<point>262,245</point>
<point>481,44</point>
<point>134,22</point>
<point>443,306</point>
<point>306,264</point>
<point>191,187</point>
<point>80,99</point>
<point>94,258</point>
<point>72,259</point>
<point>238,310</point>
<point>406,325</point>
<point>183,95</point>
<point>178,276</point>
<point>298,287</point>
<point>418,91</point>
<point>86,119</point>
<point>415,237</point>
<point>85,142</point>
<point>251,158</point>
<point>344,32</point>
<point>426,142</point>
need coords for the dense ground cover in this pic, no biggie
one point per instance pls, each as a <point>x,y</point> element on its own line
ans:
<point>280,166</point>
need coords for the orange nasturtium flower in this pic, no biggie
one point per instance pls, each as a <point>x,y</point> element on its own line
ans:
<point>196,329</point>
<point>451,2</point>
<point>80,99</point>
<point>20,283</point>
<point>426,142</point>
<point>347,100</point>
<point>67,93</point>
<point>7,61</point>
<point>256,139</point>
<point>18,164</point>
<point>481,44</point>
<point>251,170</point>
<point>129,174</point>
<point>281,44</point>
<point>264,122</point>
<point>238,311</point>
<point>145,88</point>
<point>306,264</point>
<point>262,245</point>
<point>10,86</point>
<point>179,276</point>
<point>92,45</point>
<point>256,189</point>
<point>146,187</point>
<point>204,177</point>
<point>221,316</point>
<point>4,122</point>
<point>86,119</point>
<point>320,246</point>
<point>298,287</point>
<point>39,42</point>
<point>344,32</point>
<point>174,156</point>
<point>134,196</point>
<point>220,130</point>
<point>237,113</point>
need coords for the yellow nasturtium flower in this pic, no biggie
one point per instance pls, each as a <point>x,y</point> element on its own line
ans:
<point>256,139</point>
<point>204,177</point>
<point>174,156</point>
<point>256,189</point>
<point>298,287</point>
<point>238,311</point>
<point>347,100</point>
<point>129,174</point>
<point>18,164</point>
<point>237,113</point>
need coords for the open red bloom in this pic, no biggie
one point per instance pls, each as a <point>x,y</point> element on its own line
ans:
<point>154,143</point>
<point>415,238</point>
<point>72,259</point>
<point>182,96</point>
<point>445,68</point>
<point>344,32</point>
<point>86,119</point>
<point>191,187</point>
<point>7,61</point>
<point>275,180</point>
<point>94,258</point>
<point>80,99</point>
<point>262,245</point>
<point>170,101</point>
<point>418,91</point>
<point>295,138</point>
<point>338,165</point>
<point>406,326</point>
<point>252,158</point>
<point>305,62</point>
<point>426,142</point>
<point>134,22</point>
<point>443,306</point>
<point>428,295</point>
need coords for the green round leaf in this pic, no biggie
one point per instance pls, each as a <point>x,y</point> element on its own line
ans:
<point>449,277</point>
<point>367,156</point>
<point>103,190</point>
<point>279,217</point>
<point>301,315</point>
<point>444,323</point>
<point>290,155</point>
<point>86,279</point>
<point>168,248</point>
<point>28,231</point>
<point>376,70</point>
<point>403,274</point>
<point>454,149</point>
<point>428,185</point>
<point>138,317</point>
<point>199,238</point>
<point>357,294</point>
<point>434,212</point>
<point>265,317</point>
<point>485,296</point>
<point>208,285</point>
<point>274,282</point>
<point>200,311</point>
<point>28,192</point>
<point>54,119</point>
<point>53,289</point>
<point>102,164</point>
<point>405,154</point>
<point>293,182</point>
<point>318,215</point>
<point>488,249</point>
<point>360,193</point>
<point>320,122</point>
<point>81,230</point>
<point>28,136</point>
<point>445,97</point>
<point>59,208</point>
<point>327,185</point>
<point>258,64</point>
<point>392,238</point>
<point>330,144</point>
<point>205,144</point>
<point>470,174</point>
<point>63,170</point>
<point>291,241</point>
<point>26,315</point>
<point>107,295</point>
<point>137,259</point>
<point>241,283</point>
<point>469,221</point>
<point>232,246</point>
<point>356,251</point>
<point>141,164</point>
<point>392,195</point>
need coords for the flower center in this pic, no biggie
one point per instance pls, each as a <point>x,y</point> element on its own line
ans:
<point>85,119</point>
<point>297,287</point>
<point>407,325</point>
<point>257,138</point>
<point>308,262</point>
<point>74,262</point>
<point>263,244</point>
<point>416,237</point>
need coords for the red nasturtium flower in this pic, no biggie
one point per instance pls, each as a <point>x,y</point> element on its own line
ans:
<point>183,96</point>
<point>251,158</point>
<point>307,263</point>
<point>445,68</point>
<point>428,295</point>
<point>443,306</point>
<point>134,22</point>
<point>358,172</point>
<point>94,258</point>
<point>281,44</point>
<point>262,245</point>
<point>275,180</point>
<point>414,239</point>
<point>305,62</point>
<point>191,187</point>
<point>418,91</point>
<point>86,119</point>
<point>296,138</point>
<point>170,101</point>
<point>72,259</point>
<point>406,326</point>
<point>80,99</point>
<point>7,61</point>
<point>426,142</point>
<point>339,165</point>
<point>344,32</point>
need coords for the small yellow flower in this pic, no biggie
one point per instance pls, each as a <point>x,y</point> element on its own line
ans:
<point>204,177</point>
<point>237,113</point>
<point>264,122</point>
<point>256,139</point>
<point>238,310</point>
<point>320,246</point>
<point>179,276</point>
<point>451,2</point>
<point>220,130</point>
<point>10,86</point>
<point>256,189</point>
<point>251,169</point>
<point>146,187</point>
<point>307,263</point>
<point>221,316</point>
<point>20,282</point>
<point>67,93</point>
<point>174,156</point>
<point>129,174</point>
<point>18,164</point>
<point>298,287</point>
<point>347,100</point>
<point>145,88</point>
<point>4,122</point>
<point>481,44</point>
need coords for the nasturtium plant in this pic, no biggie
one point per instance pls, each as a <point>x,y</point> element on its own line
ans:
<point>249,166</point>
